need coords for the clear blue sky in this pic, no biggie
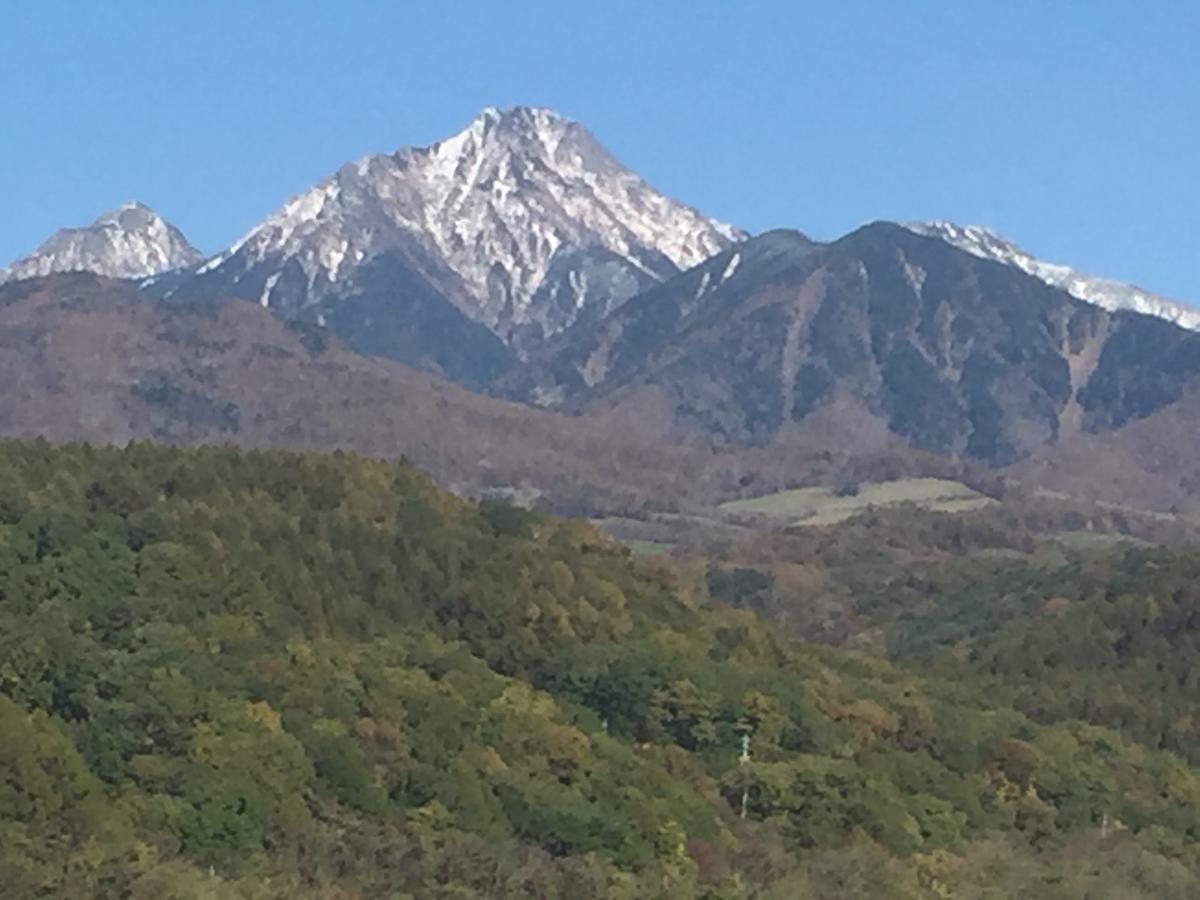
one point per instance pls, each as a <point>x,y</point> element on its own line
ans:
<point>1074,128</point>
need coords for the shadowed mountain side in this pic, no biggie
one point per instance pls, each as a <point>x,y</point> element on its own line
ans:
<point>391,311</point>
<point>956,355</point>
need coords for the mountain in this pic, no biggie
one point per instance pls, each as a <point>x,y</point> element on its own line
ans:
<point>131,242</point>
<point>1103,292</point>
<point>522,221</point>
<point>519,258</point>
<point>884,330</point>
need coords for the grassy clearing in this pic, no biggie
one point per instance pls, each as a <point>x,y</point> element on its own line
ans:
<point>820,506</point>
<point>1091,540</point>
<point>1161,515</point>
<point>649,548</point>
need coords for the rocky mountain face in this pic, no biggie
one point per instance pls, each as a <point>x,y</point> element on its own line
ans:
<point>1103,292</point>
<point>523,222</point>
<point>958,355</point>
<point>130,242</point>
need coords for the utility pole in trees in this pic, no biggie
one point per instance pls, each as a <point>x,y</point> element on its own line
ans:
<point>742,760</point>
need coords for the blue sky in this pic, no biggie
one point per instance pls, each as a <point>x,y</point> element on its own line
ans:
<point>1071,127</point>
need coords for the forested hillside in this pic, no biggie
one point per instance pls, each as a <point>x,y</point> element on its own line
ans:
<point>1108,637</point>
<point>254,674</point>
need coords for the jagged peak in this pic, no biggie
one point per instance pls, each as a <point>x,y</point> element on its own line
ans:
<point>522,131</point>
<point>519,121</point>
<point>521,114</point>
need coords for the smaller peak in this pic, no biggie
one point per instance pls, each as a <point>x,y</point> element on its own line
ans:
<point>781,237</point>
<point>767,248</point>
<point>131,241</point>
<point>885,227</point>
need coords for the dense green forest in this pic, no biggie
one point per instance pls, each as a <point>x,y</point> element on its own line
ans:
<point>1106,630</point>
<point>258,674</point>
<point>1112,638</point>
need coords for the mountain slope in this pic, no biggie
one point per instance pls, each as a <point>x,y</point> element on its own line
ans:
<point>85,358</point>
<point>957,355</point>
<point>522,220</point>
<point>590,359</point>
<point>1145,463</point>
<point>130,242</point>
<point>1104,292</point>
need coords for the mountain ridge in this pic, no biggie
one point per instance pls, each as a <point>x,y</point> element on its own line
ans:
<point>1107,293</point>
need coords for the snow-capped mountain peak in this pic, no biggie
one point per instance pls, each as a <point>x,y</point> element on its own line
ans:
<point>522,219</point>
<point>1103,292</point>
<point>131,241</point>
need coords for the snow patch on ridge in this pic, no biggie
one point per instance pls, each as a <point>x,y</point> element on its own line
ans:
<point>1103,292</point>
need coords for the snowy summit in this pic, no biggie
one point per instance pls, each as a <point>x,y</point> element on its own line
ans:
<point>523,219</point>
<point>130,242</point>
